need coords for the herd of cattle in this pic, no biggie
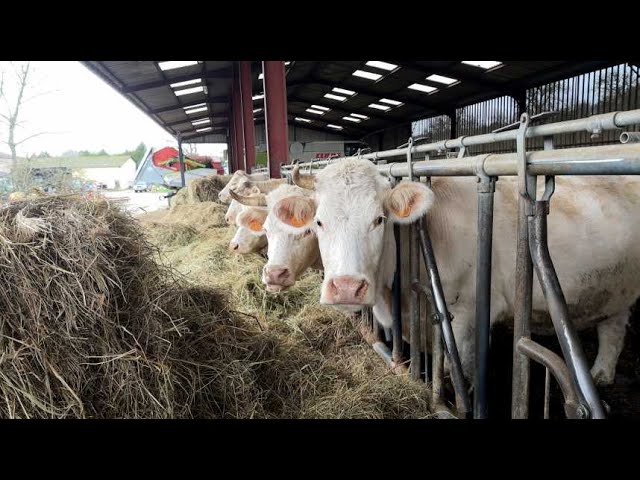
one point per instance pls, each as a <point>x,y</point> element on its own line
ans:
<point>341,221</point>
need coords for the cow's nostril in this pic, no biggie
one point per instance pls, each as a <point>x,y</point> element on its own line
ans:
<point>362,289</point>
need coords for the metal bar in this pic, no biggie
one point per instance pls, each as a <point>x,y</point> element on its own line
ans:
<point>630,137</point>
<point>569,342</point>
<point>462,398</point>
<point>414,256</point>
<point>600,160</point>
<point>608,121</point>
<point>237,121</point>
<point>547,392</point>
<point>181,158</point>
<point>396,309</point>
<point>247,115</point>
<point>524,282</point>
<point>275,108</point>
<point>486,189</point>
<point>558,368</point>
<point>437,367</point>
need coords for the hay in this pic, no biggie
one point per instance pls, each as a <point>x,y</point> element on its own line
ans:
<point>92,326</point>
<point>311,361</point>
<point>200,190</point>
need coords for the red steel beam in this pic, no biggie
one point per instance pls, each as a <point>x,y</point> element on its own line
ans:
<point>247,116</point>
<point>275,114</point>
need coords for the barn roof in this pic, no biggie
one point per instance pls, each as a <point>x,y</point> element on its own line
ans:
<point>193,99</point>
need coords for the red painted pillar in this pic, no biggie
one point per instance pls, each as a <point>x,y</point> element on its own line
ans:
<point>275,115</point>
<point>247,116</point>
<point>238,130</point>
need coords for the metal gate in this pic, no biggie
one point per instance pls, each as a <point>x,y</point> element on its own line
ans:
<point>581,399</point>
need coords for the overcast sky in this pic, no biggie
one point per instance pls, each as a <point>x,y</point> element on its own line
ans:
<point>82,112</point>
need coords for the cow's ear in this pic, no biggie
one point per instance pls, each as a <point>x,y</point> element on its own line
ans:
<point>295,213</point>
<point>253,219</point>
<point>407,202</point>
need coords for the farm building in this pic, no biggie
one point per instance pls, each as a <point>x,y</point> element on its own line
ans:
<point>482,188</point>
<point>115,171</point>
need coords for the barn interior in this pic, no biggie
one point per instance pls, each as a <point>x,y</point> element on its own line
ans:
<point>380,105</point>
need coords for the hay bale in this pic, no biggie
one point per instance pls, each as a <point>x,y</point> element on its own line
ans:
<point>200,190</point>
<point>91,326</point>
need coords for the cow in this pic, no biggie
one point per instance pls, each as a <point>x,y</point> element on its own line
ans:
<point>234,209</point>
<point>596,255</point>
<point>245,184</point>
<point>248,238</point>
<point>289,254</point>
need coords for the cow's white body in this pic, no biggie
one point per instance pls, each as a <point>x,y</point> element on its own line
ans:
<point>594,240</point>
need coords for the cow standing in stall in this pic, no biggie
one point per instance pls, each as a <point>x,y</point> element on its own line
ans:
<point>596,255</point>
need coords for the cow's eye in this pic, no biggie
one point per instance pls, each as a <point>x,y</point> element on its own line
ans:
<point>319,223</point>
<point>379,220</point>
<point>307,232</point>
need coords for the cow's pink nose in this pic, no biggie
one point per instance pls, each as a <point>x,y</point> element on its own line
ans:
<point>277,275</point>
<point>346,290</point>
<point>233,247</point>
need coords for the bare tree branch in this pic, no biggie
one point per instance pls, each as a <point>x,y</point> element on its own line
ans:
<point>31,136</point>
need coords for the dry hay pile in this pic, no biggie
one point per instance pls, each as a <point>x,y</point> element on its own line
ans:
<point>314,364</point>
<point>200,190</point>
<point>92,327</point>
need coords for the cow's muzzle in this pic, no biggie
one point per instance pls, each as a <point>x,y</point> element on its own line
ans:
<point>346,290</point>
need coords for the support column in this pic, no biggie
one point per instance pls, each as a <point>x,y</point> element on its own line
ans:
<point>275,115</point>
<point>236,110</point>
<point>247,116</point>
<point>181,158</point>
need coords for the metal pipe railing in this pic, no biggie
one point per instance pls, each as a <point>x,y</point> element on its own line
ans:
<point>567,337</point>
<point>444,319</point>
<point>592,124</point>
<point>486,190</point>
<point>396,308</point>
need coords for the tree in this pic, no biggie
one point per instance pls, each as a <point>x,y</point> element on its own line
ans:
<point>138,153</point>
<point>13,108</point>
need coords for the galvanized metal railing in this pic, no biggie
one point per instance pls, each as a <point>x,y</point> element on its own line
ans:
<point>580,395</point>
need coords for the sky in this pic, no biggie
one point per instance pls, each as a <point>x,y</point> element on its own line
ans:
<point>82,113</point>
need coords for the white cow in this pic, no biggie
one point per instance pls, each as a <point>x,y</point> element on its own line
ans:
<point>248,238</point>
<point>246,184</point>
<point>594,241</point>
<point>290,254</point>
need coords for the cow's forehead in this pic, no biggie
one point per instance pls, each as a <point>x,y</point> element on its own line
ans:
<point>351,188</point>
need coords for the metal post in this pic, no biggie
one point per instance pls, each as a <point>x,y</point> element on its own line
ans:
<point>247,116</point>
<point>414,258</point>
<point>444,318</point>
<point>240,163</point>
<point>567,337</point>
<point>396,310</point>
<point>524,281</point>
<point>181,158</point>
<point>275,115</point>
<point>486,189</point>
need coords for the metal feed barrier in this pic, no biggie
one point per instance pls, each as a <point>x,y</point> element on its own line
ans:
<point>581,399</point>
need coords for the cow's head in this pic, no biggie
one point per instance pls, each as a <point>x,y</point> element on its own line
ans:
<point>242,184</point>
<point>250,236</point>
<point>234,209</point>
<point>351,211</point>
<point>290,252</point>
